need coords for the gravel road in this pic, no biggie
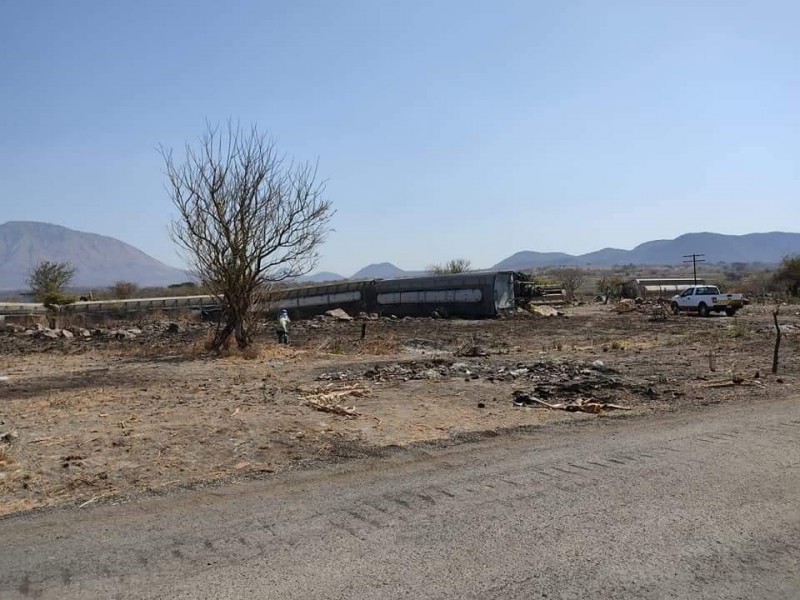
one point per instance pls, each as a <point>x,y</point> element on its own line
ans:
<point>697,504</point>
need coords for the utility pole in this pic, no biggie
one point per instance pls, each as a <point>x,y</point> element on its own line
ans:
<point>694,259</point>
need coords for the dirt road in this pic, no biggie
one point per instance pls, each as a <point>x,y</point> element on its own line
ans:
<point>697,504</point>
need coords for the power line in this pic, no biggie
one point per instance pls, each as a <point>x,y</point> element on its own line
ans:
<point>695,258</point>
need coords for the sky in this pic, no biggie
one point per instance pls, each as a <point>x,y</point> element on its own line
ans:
<point>443,128</point>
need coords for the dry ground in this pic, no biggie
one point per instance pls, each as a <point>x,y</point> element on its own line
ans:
<point>95,418</point>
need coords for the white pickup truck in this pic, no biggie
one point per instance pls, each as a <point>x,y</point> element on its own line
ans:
<point>705,299</point>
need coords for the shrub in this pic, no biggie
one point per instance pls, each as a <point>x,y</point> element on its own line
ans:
<point>788,274</point>
<point>456,265</point>
<point>48,279</point>
<point>122,290</point>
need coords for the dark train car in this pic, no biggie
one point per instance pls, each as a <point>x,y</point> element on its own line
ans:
<point>306,301</point>
<point>474,294</point>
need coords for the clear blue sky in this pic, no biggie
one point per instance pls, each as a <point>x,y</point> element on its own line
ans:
<point>445,129</point>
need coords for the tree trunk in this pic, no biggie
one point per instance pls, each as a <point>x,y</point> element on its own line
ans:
<point>223,333</point>
<point>237,323</point>
<point>242,333</point>
<point>777,341</point>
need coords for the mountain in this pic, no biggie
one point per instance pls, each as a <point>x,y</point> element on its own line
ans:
<point>99,260</point>
<point>530,260</point>
<point>769,248</point>
<point>320,277</point>
<point>753,247</point>
<point>379,271</point>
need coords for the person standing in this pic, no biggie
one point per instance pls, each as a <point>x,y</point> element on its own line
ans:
<point>282,326</point>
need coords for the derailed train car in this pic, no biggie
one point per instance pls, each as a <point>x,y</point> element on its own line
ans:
<point>351,296</point>
<point>474,294</point>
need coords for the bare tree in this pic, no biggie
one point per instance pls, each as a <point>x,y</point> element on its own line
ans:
<point>47,281</point>
<point>568,278</point>
<point>123,290</point>
<point>610,286</point>
<point>247,219</point>
<point>456,265</point>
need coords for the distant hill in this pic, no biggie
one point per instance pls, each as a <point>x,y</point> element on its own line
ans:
<point>320,277</point>
<point>379,271</point>
<point>767,248</point>
<point>528,259</point>
<point>374,271</point>
<point>99,260</point>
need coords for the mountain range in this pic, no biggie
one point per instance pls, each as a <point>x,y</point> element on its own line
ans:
<point>101,260</point>
<point>98,260</point>
<point>764,248</point>
<point>768,248</point>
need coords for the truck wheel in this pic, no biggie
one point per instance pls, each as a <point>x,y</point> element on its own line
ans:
<point>730,310</point>
<point>702,310</point>
<point>676,310</point>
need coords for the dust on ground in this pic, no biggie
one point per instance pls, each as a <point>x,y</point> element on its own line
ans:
<point>110,415</point>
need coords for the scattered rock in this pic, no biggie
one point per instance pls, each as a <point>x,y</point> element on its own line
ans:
<point>339,314</point>
<point>472,351</point>
<point>48,333</point>
<point>625,305</point>
<point>174,328</point>
<point>67,334</point>
<point>544,310</point>
<point>421,345</point>
<point>122,334</point>
<point>9,436</point>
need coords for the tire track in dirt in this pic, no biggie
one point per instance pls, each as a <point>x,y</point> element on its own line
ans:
<point>366,517</point>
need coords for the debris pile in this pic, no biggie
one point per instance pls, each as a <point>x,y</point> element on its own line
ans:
<point>656,309</point>
<point>328,399</point>
<point>543,310</point>
<point>624,306</point>
<point>549,379</point>
<point>339,314</point>
<point>579,405</point>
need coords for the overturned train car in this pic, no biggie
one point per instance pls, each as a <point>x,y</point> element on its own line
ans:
<point>475,294</point>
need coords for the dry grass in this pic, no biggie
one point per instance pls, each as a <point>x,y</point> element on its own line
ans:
<point>5,455</point>
<point>737,330</point>
<point>379,345</point>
